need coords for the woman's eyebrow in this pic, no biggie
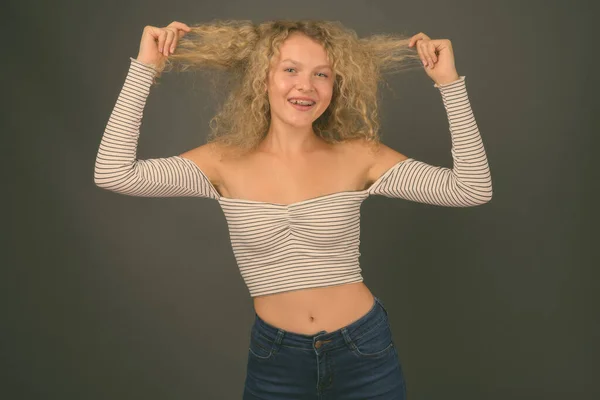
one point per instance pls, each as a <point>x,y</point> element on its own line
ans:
<point>299,63</point>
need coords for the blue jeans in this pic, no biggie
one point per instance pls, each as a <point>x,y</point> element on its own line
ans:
<point>358,361</point>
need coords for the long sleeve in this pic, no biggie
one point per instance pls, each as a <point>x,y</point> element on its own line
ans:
<point>467,184</point>
<point>117,168</point>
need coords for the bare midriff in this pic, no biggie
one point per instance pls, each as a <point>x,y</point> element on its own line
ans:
<point>309,311</point>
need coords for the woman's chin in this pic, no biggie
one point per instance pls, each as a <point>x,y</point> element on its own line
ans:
<point>299,121</point>
<point>302,124</point>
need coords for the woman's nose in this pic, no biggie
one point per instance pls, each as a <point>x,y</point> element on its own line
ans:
<point>304,83</point>
<point>305,87</point>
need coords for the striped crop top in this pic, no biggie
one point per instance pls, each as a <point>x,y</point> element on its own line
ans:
<point>307,244</point>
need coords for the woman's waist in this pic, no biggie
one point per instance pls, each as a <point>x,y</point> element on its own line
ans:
<point>313,310</point>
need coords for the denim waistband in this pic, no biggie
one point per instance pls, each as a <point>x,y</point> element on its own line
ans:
<point>376,315</point>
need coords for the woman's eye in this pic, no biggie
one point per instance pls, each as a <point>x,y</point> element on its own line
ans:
<point>320,73</point>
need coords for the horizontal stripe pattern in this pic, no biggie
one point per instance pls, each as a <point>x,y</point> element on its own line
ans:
<point>306,244</point>
<point>468,183</point>
<point>117,168</point>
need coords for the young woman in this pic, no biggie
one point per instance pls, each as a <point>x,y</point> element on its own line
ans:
<point>292,154</point>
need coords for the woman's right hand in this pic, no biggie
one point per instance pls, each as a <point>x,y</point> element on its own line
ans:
<point>157,43</point>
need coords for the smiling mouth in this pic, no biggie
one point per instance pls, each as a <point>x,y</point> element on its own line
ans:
<point>302,107</point>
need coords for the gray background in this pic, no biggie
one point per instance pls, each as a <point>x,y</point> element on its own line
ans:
<point>107,296</point>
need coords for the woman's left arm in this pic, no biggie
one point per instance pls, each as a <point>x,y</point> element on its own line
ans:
<point>469,182</point>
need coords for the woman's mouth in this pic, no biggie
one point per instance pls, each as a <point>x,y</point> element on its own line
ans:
<point>302,105</point>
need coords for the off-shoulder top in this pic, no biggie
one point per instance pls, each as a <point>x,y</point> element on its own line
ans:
<point>309,243</point>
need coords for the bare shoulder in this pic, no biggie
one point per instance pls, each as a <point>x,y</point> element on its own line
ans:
<point>208,157</point>
<point>378,158</point>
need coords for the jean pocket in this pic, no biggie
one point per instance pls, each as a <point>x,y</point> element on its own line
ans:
<point>260,346</point>
<point>376,342</point>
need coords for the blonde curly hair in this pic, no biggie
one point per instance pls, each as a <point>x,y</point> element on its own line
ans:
<point>244,51</point>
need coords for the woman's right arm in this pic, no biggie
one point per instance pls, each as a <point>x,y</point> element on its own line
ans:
<point>117,168</point>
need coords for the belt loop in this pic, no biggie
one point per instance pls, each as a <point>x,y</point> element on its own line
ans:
<point>347,338</point>
<point>278,340</point>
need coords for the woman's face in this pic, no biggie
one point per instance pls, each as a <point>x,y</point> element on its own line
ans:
<point>302,70</point>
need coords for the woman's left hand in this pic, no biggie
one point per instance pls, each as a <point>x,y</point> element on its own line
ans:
<point>437,57</point>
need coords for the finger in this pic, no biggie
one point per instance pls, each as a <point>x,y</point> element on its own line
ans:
<point>177,34</point>
<point>176,37</point>
<point>432,51</point>
<point>180,25</point>
<point>423,53</point>
<point>414,40</point>
<point>161,40</point>
<point>427,53</point>
<point>430,47</point>
<point>150,29</point>
<point>420,52</point>
<point>155,32</point>
<point>168,42</point>
<point>421,35</point>
<point>181,33</point>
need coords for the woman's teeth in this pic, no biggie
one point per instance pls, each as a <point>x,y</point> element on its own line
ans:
<point>302,102</point>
